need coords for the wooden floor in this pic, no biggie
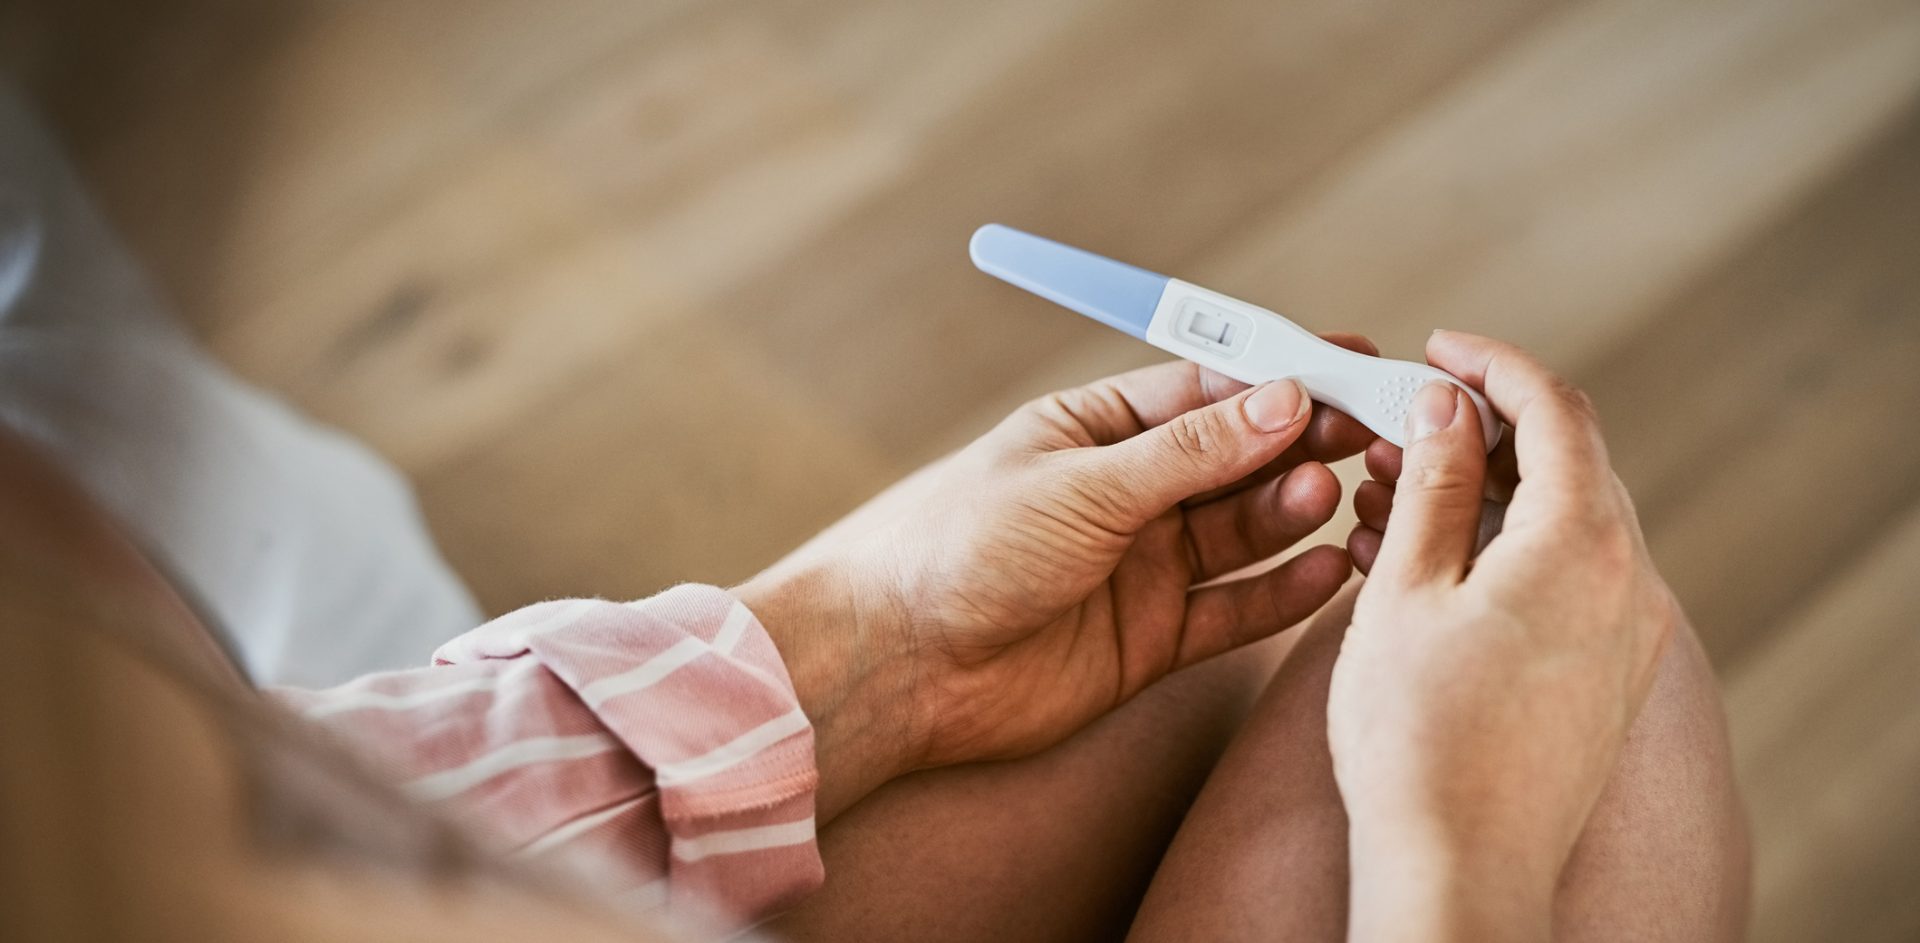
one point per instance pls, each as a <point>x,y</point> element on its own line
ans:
<point>642,293</point>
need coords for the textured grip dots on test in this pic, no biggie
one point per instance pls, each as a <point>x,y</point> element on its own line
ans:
<point>1395,395</point>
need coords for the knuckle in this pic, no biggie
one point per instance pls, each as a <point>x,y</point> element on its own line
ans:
<point>1574,400</point>
<point>1082,415</point>
<point>1053,410</point>
<point>1588,520</point>
<point>1096,497</point>
<point>1196,435</point>
<point>1440,479</point>
<point>1049,404</point>
<point>1604,506</point>
<point>1613,547</point>
<point>1609,549</point>
<point>1052,403</point>
<point>1583,404</point>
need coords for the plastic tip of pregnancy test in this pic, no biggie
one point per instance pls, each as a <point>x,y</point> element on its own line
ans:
<point>1116,294</point>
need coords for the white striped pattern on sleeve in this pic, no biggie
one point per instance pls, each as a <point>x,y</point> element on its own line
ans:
<point>659,740</point>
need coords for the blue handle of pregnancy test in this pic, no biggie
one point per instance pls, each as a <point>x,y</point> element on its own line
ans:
<point>1116,294</point>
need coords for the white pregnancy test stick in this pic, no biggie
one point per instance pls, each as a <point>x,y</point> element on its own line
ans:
<point>1245,342</point>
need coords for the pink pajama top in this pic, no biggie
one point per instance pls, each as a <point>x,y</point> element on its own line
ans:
<point>656,746</point>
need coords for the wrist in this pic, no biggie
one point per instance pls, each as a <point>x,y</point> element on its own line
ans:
<point>850,674</point>
<point>1421,880</point>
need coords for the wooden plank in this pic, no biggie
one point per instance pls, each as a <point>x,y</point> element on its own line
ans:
<point>1755,420</point>
<point>647,186</point>
<point>649,292</point>
<point>876,330</point>
<point>698,464</point>
<point>241,144</point>
<point>505,229</point>
<point>1827,738</point>
<point>1587,172</point>
<point>1147,156</point>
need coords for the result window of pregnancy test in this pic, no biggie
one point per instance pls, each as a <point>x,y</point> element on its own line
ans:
<point>1214,330</point>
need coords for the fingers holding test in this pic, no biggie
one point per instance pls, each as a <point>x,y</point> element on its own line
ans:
<point>1556,432</point>
<point>1335,435</point>
<point>1120,407</point>
<point>1373,506</point>
<point>1363,545</point>
<point>1373,503</point>
<point>1229,615</point>
<point>1141,477</point>
<point>1436,502</point>
<point>1123,406</point>
<point>1383,460</point>
<point>1246,527</point>
<point>1331,435</point>
<point>1383,465</point>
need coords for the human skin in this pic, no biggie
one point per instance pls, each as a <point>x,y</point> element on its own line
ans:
<point>87,715</point>
<point>1263,851</point>
<point>1002,599</point>
<point>1479,703</point>
<point>1508,862</point>
<point>1605,836</point>
<point>1244,498</point>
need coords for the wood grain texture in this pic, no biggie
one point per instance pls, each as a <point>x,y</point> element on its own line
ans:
<point>649,292</point>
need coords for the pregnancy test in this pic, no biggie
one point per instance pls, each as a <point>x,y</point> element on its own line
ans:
<point>1243,341</point>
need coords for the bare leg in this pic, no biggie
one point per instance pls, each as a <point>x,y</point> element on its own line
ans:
<point>1264,852</point>
<point>1058,846</point>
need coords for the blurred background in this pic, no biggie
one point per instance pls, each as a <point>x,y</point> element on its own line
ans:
<point>648,292</point>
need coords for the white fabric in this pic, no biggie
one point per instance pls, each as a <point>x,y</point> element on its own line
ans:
<point>306,547</point>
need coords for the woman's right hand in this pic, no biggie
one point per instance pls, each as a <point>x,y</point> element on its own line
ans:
<point>1478,704</point>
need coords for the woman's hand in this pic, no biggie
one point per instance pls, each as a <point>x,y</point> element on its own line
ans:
<point>1478,704</point>
<point>999,600</point>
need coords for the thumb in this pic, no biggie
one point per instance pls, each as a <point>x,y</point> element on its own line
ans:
<point>1436,505</point>
<point>1199,450</point>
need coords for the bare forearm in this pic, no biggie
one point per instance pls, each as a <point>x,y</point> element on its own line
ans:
<point>854,691</point>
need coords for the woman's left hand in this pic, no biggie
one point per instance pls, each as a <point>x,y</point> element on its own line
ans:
<point>999,600</point>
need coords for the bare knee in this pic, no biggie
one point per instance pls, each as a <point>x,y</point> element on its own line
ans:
<point>1664,854</point>
<point>1663,857</point>
<point>1264,850</point>
<point>1059,845</point>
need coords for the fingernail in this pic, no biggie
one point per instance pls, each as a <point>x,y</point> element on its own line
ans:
<point>1277,405</point>
<point>1433,409</point>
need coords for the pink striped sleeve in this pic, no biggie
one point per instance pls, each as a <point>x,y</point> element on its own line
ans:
<point>656,745</point>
